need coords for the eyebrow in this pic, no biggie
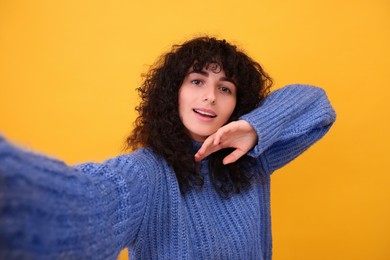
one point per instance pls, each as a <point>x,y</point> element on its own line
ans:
<point>206,74</point>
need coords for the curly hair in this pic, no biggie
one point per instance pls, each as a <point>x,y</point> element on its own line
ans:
<point>159,126</point>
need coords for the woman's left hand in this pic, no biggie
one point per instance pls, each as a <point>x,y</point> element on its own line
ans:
<point>237,134</point>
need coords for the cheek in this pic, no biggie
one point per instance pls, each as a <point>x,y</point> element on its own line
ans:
<point>183,102</point>
<point>231,107</point>
<point>228,109</point>
<point>180,109</point>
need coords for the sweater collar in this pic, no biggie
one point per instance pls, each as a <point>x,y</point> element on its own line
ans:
<point>196,145</point>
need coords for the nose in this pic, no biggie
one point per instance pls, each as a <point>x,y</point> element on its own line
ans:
<point>209,95</point>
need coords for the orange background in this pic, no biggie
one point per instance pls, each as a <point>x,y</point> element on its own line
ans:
<point>68,70</point>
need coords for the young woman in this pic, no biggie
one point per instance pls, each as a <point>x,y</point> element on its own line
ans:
<point>208,136</point>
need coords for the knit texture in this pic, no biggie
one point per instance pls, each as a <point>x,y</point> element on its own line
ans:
<point>49,210</point>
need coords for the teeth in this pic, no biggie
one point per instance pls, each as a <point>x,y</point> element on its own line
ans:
<point>204,113</point>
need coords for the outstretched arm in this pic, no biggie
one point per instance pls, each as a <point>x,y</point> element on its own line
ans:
<point>51,211</point>
<point>288,122</point>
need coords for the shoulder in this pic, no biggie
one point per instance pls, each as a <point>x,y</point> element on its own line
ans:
<point>145,157</point>
<point>300,86</point>
<point>143,161</point>
<point>299,89</point>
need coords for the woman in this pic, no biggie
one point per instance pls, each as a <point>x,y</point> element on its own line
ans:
<point>207,138</point>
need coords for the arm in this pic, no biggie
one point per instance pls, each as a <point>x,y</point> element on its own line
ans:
<point>49,210</point>
<point>288,122</point>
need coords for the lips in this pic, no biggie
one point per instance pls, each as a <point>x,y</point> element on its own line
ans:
<point>205,112</point>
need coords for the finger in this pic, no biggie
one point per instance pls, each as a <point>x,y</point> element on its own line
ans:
<point>206,149</point>
<point>206,144</point>
<point>222,132</point>
<point>218,135</point>
<point>207,152</point>
<point>233,156</point>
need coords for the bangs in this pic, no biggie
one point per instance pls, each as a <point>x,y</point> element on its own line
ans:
<point>215,65</point>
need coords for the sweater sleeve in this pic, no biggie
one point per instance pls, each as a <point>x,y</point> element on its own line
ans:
<point>49,210</point>
<point>288,122</point>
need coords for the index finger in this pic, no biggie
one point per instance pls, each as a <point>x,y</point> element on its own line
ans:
<point>208,147</point>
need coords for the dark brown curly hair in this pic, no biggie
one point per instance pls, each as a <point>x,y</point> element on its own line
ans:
<point>159,127</point>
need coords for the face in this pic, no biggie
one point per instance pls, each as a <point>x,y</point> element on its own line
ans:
<point>206,102</point>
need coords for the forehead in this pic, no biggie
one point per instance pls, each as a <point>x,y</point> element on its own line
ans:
<point>211,66</point>
<point>214,66</point>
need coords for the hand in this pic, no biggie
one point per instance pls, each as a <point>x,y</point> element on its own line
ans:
<point>237,134</point>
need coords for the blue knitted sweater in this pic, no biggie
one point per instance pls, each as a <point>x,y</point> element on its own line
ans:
<point>49,210</point>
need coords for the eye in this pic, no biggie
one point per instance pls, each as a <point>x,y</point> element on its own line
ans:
<point>225,90</point>
<point>196,81</point>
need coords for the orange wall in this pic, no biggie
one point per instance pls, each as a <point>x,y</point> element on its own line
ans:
<point>68,70</point>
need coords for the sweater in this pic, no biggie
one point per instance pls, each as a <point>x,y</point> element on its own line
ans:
<point>49,210</point>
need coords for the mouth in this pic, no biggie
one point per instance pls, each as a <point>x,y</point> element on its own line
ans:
<point>205,113</point>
